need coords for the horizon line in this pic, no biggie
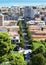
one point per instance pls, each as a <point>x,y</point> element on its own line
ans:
<point>23,4</point>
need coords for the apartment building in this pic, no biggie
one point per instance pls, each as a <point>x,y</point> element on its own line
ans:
<point>38,33</point>
<point>7,22</point>
<point>11,27</point>
<point>28,12</point>
<point>37,28</point>
<point>10,16</point>
<point>43,14</point>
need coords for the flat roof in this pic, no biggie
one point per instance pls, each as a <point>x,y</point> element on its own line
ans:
<point>9,26</point>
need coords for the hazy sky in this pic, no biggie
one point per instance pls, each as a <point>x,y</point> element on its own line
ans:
<point>21,2</point>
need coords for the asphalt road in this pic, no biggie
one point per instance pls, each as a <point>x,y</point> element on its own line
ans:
<point>26,46</point>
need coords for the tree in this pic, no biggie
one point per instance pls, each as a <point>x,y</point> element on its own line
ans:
<point>45,40</point>
<point>5,63</point>
<point>21,44</point>
<point>38,59</point>
<point>16,58</point>
<point>29,35</point>
<point>5,46</point>
<point>34,7</point>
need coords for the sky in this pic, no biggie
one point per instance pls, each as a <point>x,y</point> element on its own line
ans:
<point>10,3</point>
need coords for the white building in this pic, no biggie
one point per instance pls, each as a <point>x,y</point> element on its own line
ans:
<point>41,24</point>
<point>14,37</point>
<point>31,22</point>
<point>36,22</point>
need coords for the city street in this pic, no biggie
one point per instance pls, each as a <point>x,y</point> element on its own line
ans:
<point>27,50</point>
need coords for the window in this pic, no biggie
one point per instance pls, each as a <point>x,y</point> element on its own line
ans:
<point>16,40</point>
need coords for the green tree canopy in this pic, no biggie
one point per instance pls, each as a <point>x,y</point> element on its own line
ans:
<point>5,63</point>
<point>5,46</point>
<point>5,43</point>
<point>16,58</point>
<point>6,52</point>
<point>38,59</point>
